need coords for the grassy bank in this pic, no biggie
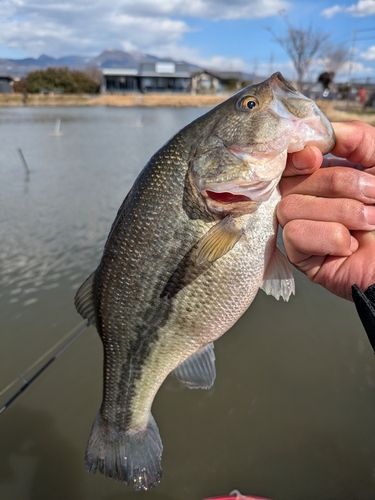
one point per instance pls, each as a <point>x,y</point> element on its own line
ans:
<point>34,100</point>
<point>335,110</point>
<point>120,100</point>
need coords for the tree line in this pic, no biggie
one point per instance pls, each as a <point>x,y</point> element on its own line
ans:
<point>61,80</point>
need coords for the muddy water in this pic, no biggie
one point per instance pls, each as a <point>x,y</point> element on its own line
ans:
<point>292,413</point>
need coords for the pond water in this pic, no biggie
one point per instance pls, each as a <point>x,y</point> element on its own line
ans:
<point>292,413</point>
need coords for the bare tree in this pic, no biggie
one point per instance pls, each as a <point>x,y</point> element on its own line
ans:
<point>95,73</point>
<point>335,57</point>
<point>302,45</point>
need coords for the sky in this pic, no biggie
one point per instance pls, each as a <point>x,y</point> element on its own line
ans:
<point>215,34</point>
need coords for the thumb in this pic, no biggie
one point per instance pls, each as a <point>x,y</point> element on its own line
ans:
<point>303,162</point>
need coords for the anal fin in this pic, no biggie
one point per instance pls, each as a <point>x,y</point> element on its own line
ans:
<point>278,278</point>
<point>198,371</point>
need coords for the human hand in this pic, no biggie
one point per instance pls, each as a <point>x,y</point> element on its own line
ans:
<point>328,214</point>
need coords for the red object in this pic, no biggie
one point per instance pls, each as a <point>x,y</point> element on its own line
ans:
<point>362,95</point>
<point>236,497</point>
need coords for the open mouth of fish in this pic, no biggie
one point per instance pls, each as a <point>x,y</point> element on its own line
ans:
<point>226,197</point>
<point>233,193</point>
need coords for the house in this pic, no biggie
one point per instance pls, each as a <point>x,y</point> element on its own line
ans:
<point>6,84</point>
<point>171,76</point>
<point>236,80</point>
<point>159,76</point>
<point>164,76</point>
<point>204,82</point>
<point>120,79</point>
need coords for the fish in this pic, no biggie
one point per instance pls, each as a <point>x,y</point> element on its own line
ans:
<point>192,243</point>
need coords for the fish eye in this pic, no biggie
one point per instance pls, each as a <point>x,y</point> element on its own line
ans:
<point>249,103</point>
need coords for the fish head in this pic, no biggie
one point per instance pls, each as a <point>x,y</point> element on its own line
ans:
<point>238,162</point>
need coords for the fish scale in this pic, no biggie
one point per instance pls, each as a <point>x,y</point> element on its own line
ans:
<point>191,245</point>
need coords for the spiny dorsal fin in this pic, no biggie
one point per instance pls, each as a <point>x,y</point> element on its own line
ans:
<point>278,278</point>
<point>85,300</point>
<point>198,371</point>
<point>218,240</point>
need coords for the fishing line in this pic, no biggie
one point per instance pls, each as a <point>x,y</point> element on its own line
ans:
<point>72,335</point>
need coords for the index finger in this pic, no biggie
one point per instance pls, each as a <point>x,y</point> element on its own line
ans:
<point>337,182</point>
<point>354,148</point>
<point>355,141</point>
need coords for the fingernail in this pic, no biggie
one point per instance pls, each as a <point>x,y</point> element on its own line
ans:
<point>369,214</point>
<point>367,186</point>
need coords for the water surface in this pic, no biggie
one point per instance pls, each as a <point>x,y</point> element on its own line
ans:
<point>292,413</point>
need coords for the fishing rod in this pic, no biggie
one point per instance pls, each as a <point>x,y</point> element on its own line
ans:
<point>26,383</point>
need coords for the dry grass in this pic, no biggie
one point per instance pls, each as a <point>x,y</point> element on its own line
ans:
<point>125,100</point>
<point>152,100</point>
<point>35,100</point>
<point>335,110</point>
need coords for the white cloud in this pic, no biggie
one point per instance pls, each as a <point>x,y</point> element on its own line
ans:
<point>87,26</point>
<point>357,68</point>
<point>217,62</point>
<point>212,9</point>
<point>61,29</point>
<point>361,9</point>
<point>369,55</point>
<point>332,11</point>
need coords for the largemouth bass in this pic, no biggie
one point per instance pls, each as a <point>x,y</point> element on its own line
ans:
<point>192,243</point>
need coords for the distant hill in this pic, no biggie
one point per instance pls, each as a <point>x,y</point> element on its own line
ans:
<point>118,58</point>
<point>107,59</point>
<point>20,67</point>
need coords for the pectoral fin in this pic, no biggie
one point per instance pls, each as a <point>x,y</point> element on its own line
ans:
<point>278,278</point>
<point>84,299</point>
<point>218,241</point>
<point>198,371</point>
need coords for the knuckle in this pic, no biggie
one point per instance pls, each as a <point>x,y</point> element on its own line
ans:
<point>339,181</point>
<point>339,236</point>
<point>294,232</point>
<point>285,209</point>
<point>352,213</point>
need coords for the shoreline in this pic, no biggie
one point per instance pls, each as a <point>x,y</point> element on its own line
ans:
<point>334,110</point>
<point>113,100</point>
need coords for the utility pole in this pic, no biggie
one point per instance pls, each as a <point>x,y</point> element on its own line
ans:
<point>351,57</point>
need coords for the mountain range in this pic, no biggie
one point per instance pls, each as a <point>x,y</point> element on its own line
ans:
<point>109,58</point>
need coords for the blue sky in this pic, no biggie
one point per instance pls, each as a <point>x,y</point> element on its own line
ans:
<point>217,34</point>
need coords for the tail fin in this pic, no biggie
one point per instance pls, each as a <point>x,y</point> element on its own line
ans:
<point>133,457</point>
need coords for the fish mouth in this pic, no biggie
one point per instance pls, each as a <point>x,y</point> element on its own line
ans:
<point>308,124</point>
<point>226,197</point>
<point>238,193</point>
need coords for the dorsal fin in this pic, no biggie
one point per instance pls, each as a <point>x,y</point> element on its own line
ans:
<point>198,371</point>
<point>218,240</point>
<point>85,299</point>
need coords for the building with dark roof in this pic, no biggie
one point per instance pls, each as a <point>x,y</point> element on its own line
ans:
<point>6,84</point>
<point>120,79</point>
<point>171,76</point>
<point>159,76</point>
